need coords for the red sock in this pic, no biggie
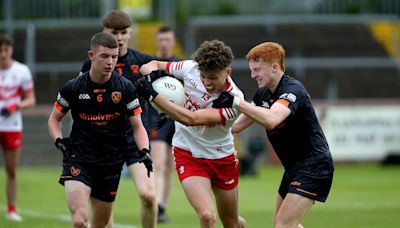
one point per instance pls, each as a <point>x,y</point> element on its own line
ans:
<point>11,208</point>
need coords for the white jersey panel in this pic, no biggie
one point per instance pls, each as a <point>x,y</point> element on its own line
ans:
<point>211,142</point>
<point>14,82</point>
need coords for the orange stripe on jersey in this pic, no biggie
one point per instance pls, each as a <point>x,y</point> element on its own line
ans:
<point>137,111</point>
<point>283,102</point>
<point>58,106</point>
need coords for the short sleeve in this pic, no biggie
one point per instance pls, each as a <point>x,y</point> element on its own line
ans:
<point>27,82</point>
<point>133,107</point>
<point>64,98</point>
<point>291,96</point>
<point>180,69</point>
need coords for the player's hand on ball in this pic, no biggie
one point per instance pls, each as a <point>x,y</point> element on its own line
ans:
<point>145,89</point>
<point>146,159</point>
<point>225,100</point>
<point>156,74</point>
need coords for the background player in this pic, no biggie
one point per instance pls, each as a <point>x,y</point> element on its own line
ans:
<point>118,24</point>
<point>204,153</point>
<point>16,93</point>
<point>100,102</point>
<point>162,132</point>
<point>283,106</point>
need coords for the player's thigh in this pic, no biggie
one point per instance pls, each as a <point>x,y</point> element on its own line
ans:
<point>293,208</point>
<point>198,191</point>
<point>159,154</point>
<point>144,185</point>
<point>101,212</point>
<point>227,202</point>
<point>77,195</point>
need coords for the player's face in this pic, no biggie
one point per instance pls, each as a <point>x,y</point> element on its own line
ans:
<point>165,42</point>
<point>122,36</point>
<point>6,52</point>
<point>214,81</point>
<point>262,72</point>
<point>104,60</point>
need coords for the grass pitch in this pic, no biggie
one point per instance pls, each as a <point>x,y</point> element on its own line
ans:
<point>361,196</point>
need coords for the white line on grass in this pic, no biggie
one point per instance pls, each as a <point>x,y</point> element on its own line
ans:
<point>59,217</point>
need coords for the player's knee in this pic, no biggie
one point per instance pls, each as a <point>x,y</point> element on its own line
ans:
<point>80,219</point>
<point>148,198</point>
<point>11,172</point>
<point>207,217</point>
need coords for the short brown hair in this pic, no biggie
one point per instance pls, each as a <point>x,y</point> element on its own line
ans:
<point>213,56</point>
<point>103,39</point>
<point>164,29</point>
<point>269,52</point>
<point>117,19</point>
<point>6,40</point>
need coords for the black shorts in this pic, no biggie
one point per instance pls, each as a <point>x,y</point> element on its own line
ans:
<point>165,133</point>
<point>312,187</point>
<point>103,181</point>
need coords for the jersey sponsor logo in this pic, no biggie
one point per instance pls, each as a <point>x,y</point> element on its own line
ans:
<point>230,182</point>
<point>99,116</point>
<point>99,90</point>
<point>289,96</point>
<point>62,101</point>
<point>193,83</point>
<point>135,69</point>
<point>133,104</point>
<point>75,171</point>
<point>84,96</point>
<point>116,96</point>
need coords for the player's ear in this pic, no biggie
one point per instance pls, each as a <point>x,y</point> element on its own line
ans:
<point>90,54</point>
<point>228,70</point>
<point>275,67</point>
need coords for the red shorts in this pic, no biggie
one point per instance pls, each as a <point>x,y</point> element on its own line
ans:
<point>11,140</point>
<point>223,172</point>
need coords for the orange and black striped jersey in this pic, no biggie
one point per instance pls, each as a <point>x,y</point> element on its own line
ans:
<point>100,113</point>
<point>299,140</point>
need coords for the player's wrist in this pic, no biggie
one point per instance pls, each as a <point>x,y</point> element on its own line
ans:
<point>236,102</point>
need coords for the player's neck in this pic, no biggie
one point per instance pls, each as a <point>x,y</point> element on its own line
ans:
<point>6,64</point>
<point>275,82</point>
<point>123,53</point>
<point>97,78</point>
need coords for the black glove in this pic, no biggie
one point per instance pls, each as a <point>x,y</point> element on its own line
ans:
<point>7,111</point>
<point>146,159</point>
<point>225,100</point>
<point>162,121</point>
<point>145,89</point>
<point>156,74</point>
<point>63,145</point>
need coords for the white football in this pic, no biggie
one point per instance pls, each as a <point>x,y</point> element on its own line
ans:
<point>170,88</point>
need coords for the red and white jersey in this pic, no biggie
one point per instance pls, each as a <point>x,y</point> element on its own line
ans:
<point>211,142</point>
<point>14,82</point>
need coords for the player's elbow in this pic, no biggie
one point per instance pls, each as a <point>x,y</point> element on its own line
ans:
<point>189,121</point>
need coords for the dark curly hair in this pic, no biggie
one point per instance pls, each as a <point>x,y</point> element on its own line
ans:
<point>213,55</point>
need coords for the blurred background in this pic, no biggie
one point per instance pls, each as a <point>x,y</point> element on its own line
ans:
<point>346,52</point>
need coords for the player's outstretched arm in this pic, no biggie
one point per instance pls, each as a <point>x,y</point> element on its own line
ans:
<point>241,123</point>
<point>268,118</point>
<point>152,66</point>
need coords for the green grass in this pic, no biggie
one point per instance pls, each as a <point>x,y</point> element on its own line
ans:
<point>361,196</point>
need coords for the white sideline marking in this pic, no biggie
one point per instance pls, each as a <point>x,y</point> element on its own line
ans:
<point>59,217</point>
